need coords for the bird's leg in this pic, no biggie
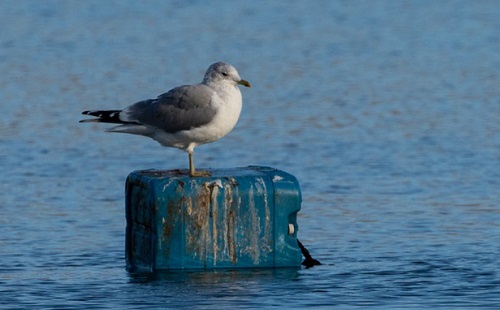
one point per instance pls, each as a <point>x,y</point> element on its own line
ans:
<point>192,172</point>
<point>191,165</point>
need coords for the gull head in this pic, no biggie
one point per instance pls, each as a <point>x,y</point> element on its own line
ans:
<point>221,72</point>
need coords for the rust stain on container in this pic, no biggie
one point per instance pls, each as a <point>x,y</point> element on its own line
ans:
<point>196,216</point>
<point>212,227</point>
<point>230,240</point>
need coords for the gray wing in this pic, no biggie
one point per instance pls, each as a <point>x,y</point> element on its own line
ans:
<point>181,108</point>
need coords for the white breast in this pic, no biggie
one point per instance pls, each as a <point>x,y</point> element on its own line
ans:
<point>228,113</point>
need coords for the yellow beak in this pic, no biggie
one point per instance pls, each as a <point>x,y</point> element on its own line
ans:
<point>244,83</point>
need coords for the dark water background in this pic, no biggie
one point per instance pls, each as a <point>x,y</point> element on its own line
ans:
<point>388,113</point>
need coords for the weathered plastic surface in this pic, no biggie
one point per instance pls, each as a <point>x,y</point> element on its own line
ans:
<point>236,218</point>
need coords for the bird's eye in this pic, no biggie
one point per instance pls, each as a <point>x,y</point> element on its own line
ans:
<point>224,74</point>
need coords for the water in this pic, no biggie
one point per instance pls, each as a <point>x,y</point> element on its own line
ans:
<point>387,113</point>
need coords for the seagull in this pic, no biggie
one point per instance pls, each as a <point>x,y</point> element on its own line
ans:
<point>185,116</point>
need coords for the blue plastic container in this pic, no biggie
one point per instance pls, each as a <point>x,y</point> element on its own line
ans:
<point>236,218</point>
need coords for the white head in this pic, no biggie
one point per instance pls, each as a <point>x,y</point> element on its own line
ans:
<point>223,72</point>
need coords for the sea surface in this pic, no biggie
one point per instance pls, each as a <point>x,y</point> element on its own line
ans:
<point>387,112</point>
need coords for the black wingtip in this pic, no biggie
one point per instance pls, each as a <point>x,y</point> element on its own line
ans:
<point>100,113</point>
<point>105,116</point>
<point>91,120</point>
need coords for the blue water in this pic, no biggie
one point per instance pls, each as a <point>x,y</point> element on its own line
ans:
<point>388,113</point>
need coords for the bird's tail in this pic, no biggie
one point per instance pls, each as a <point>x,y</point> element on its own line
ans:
<point>103,116</point>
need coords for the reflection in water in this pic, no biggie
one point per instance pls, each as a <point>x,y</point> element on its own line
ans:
<point>209,288</point>
<point>209,277</point>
